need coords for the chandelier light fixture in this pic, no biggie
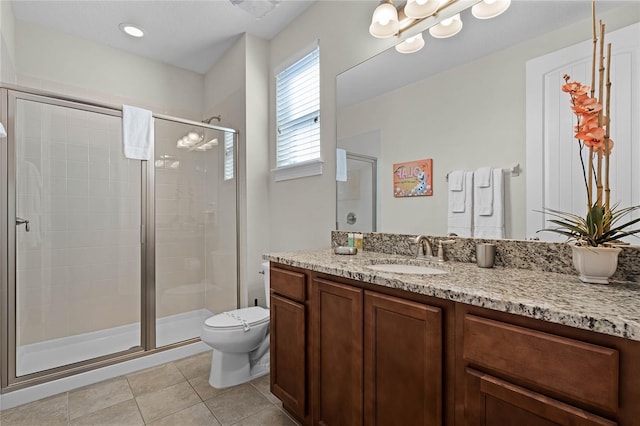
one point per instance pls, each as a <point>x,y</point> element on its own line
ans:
<point>441,17</point>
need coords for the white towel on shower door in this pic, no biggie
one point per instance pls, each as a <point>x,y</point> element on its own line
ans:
<point>341,165</point>
<point>137,132</point>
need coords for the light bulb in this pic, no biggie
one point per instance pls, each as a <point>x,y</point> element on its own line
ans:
<point>418,9</point>
<point>487,9</point>
<point>384,22</point>
<point>193,136</point>
<point>131,30</point>
<point>411,44</point>
<point>447,27</point>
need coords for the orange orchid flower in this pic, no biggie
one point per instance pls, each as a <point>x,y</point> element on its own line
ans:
<point>587,106</point>
<point>574,88</point>
<point>593,138</point>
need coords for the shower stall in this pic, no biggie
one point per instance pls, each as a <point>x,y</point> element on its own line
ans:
<point>104,258</point>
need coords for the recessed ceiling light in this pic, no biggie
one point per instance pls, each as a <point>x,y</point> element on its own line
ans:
<point>131,30</point>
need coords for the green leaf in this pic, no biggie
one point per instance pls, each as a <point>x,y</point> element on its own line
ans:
<point>600,226</point>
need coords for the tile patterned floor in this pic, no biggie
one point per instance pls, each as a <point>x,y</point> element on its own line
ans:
<point>172,394</point>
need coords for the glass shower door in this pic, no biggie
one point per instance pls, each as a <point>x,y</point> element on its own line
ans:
<point>77,235</point>
<point>195,228</point>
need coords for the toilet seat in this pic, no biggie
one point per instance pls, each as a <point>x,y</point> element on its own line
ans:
<point>239,319</point>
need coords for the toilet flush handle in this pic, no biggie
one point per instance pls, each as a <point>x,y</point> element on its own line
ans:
<point>245,324</point>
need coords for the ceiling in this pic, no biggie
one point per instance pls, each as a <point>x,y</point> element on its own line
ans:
<point>185,33</point>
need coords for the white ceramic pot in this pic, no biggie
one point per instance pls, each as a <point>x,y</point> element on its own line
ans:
<point>595,264</point>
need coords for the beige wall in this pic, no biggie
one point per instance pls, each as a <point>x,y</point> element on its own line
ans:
<point>7,43</point>
<point>62,63</point>
<point>256,154</point>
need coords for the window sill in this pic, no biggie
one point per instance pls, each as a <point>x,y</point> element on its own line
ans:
<point>300,170</point>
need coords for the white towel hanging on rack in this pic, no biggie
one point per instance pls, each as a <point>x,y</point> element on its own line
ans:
<point>491,226</point>
<point>461,222</point>
<point>457,191</point>
<point>483,191</point>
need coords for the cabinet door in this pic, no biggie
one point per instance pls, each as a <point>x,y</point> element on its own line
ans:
<point>490,401</point>
<point>402,362</point>
<point>337,329</point>
<point>288,342</point>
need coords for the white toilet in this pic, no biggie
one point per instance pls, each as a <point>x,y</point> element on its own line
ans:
<point>240,342</point>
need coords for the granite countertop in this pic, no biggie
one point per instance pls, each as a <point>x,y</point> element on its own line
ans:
<point>612,309</point>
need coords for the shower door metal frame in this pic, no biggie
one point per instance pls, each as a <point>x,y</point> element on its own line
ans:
<point>9,381</point>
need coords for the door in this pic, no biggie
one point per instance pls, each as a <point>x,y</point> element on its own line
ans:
<point>356,203</point>
<point>402,362</point>
<point>74,252</point>
<point>554,174</point>
<point>288,348</point>
<point>337,331</point>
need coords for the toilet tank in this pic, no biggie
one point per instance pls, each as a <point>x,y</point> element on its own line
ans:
<point>265,269</point>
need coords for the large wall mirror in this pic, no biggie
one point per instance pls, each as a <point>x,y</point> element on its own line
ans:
<point>460,101</point>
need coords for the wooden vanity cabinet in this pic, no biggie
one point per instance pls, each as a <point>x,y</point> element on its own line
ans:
<point>377,358</point>
<point>289,339</point>
<point>513,370</point>
<point>348,353</point>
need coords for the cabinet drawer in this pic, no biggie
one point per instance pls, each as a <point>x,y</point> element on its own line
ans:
<point>288,283</point>
<point>580,371</point>
<point>492,401</point>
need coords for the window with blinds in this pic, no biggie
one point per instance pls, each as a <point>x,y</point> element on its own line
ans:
<point>228,156</point>
<point>298,111</point>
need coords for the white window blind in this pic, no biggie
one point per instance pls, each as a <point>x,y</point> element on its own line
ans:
<point>228,156</point>
<point>298,111</point>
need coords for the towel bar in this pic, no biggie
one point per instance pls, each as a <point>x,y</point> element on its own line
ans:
<point>515,171</point>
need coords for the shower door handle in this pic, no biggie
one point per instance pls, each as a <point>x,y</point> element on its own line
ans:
<point>20,221</point>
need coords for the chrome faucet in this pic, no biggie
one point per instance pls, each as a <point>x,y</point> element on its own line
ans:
<point>423,242</point>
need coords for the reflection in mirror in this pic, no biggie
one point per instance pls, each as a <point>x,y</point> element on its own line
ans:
<point>356,199</point>
<point>460,101</point>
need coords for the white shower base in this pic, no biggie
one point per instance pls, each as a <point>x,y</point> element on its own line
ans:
<point>67,350</point>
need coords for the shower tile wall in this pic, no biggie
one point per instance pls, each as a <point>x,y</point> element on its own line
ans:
<point>78,269</point>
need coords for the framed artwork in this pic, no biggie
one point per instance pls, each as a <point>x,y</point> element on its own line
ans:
<point>413,178</point>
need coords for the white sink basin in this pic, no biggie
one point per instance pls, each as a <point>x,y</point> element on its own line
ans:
<point>406,269</point>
